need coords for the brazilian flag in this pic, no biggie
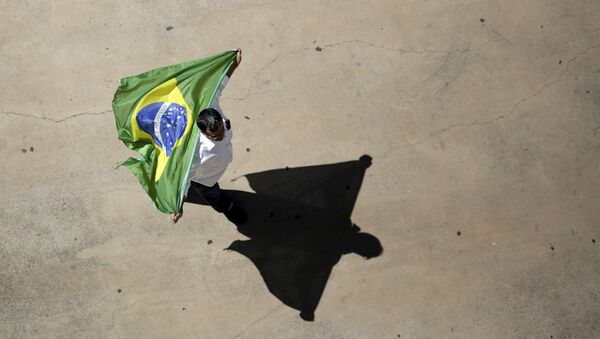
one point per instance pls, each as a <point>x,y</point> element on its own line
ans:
<point>155,114</point>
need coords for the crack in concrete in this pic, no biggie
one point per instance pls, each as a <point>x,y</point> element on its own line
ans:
<point>402,50</point>
<point>257,321</point>
<point>451,73</point>
<point>248,91</point>
<point>335,44</point>
<point>54,120</point>
<point>512,111</point>
<point>499,36</point>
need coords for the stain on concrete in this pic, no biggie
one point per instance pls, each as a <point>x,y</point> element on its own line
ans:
<point>23,150</point>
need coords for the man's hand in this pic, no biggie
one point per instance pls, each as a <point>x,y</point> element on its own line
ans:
<point>238,56</point>
<point>236,62</point>
<point>175,217</point>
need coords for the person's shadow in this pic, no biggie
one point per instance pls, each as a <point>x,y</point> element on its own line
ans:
<point>299,227</point>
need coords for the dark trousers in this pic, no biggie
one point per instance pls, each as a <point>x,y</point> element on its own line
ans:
<point>213,196</point>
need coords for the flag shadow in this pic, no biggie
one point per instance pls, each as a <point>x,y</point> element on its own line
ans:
<point>299,227</point>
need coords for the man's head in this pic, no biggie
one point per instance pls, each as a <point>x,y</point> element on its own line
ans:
<point>211,124</point>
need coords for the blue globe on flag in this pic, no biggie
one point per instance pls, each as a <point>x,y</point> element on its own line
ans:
<point>165,122</point>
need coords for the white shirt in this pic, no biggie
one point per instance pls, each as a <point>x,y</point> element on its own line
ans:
<point>212,157</point>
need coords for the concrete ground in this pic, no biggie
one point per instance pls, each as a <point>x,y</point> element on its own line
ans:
<point>481,119</point>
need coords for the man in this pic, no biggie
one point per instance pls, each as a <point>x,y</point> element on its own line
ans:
<point>214,153</point>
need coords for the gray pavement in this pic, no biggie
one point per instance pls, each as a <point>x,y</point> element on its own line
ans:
<point>482,120</point>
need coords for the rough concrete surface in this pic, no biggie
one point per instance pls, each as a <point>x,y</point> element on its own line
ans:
<point>482,120</point>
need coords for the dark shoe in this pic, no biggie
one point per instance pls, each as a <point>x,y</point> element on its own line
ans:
<point>236,215</point>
